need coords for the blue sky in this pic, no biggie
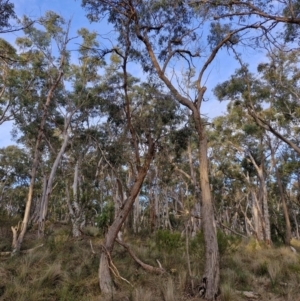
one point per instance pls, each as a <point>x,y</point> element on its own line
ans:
<point>219,71</point>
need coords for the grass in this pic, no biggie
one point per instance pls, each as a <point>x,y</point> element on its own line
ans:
<point>66,270</point>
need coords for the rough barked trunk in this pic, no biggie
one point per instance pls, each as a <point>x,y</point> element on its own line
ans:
<point>211,276</point>
<point>136,215</point>
<point>211,272</point>
<point>106,283</point>
<point>105,279</point>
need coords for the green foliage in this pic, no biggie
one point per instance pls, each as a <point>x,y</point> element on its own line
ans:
<point>7,12</point>
<point>106,217</point>
<point>197,242</point>
<point>251,129</point>
<point>227,243</point>
<point>168,241</point>
<point>180,140</point>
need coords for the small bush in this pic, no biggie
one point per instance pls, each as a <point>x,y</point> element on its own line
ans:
<point>168,241</point>
<point>227,243</point>
<point>106,217</point>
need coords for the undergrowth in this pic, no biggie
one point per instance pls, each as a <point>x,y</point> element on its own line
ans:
<point>65,269</point>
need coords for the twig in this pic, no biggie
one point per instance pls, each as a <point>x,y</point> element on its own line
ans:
<point>159,264</point>
<point>234,232</point>
<point>92,247</point>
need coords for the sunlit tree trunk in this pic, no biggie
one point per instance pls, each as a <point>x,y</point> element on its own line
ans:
<point>49,183</point>
<point>75,211</point>
<point>263,198</point>
<point>211,276</point>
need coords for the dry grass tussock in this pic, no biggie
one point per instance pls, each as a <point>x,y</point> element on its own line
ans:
<point>271,273</point>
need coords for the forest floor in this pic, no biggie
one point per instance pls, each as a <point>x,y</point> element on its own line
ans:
<point>65,269</point>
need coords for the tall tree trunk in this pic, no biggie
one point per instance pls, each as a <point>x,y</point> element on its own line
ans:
<point>76,213</point>
<point>211,276</point>
<point>288,230</point>
<point>263,198</point>
<point>44,205</point>
<point>41,223</point>
<point>257,217</point>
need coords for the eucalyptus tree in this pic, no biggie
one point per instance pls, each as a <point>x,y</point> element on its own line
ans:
<point>249,164</point>
<point>270,98</point>
<point>280,79</point>
<point>45,72</point>
<point>75,107</point>
<point>163,33</point>
<point>138,115</point>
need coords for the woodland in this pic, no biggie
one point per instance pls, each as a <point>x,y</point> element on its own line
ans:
<point>118,187</point>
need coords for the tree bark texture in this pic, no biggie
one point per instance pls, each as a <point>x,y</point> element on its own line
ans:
<point>211,274</point>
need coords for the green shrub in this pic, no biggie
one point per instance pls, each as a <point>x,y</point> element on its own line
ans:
<point>106,217</point>
<point>227,243</point>
<point>167,240</point>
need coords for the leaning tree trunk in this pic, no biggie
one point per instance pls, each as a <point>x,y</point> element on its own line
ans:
<point>105,278</point>
<point>49,183</point>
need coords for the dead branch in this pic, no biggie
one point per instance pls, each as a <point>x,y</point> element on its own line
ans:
<point>93,251</point>
<point>231,230</point>
<point>145,266</point>
<point>22,252</point>
<point>113,268</point>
